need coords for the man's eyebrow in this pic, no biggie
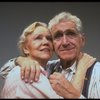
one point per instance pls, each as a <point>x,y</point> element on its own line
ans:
<point>58,31</point>
<point>71,30</point>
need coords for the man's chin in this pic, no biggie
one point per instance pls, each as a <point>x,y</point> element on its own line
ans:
<point>68,57</point>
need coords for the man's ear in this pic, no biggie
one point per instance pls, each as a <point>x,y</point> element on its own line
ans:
<point>83,40</point>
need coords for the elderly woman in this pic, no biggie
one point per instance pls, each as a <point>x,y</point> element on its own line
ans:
<point>35,43</point>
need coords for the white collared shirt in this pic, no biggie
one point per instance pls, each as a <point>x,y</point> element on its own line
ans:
<point>69,72</point>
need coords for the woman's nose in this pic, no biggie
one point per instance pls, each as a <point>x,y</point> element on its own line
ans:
<point>45,41</point>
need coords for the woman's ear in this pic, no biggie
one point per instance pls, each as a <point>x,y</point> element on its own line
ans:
<point>26,50</point>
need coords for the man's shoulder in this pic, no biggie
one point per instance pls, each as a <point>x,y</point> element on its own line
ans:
<point>98,63</point>
<point>96,70</point>
<point>7,67</point>
<point>97,66</point>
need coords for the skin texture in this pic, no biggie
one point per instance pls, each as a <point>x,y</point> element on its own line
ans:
<point>67,45</point>
<point>39,45</point>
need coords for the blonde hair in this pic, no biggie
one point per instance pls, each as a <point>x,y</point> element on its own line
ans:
<point>65,16</point>
<point>30,29</point>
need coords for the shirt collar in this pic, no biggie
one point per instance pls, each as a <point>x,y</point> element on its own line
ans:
<point>71,68</point>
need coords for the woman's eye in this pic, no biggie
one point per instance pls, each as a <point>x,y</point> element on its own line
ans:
<point>38,38</point>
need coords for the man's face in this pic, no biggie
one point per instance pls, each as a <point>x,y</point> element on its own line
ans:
<point>67,40</point>
<point>39,44</point>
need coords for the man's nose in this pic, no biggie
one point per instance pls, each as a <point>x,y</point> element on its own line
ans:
<point>65,39</point>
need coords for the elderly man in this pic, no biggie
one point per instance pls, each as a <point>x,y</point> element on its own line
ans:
<point>75,74</point>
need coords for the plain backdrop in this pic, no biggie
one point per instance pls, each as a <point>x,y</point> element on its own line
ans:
<point>15,16</point>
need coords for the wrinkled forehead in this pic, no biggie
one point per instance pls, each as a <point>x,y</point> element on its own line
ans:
<point>63,25</point>
<point>40,29</point>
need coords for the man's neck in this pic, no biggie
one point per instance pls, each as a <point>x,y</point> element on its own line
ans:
<point>66,64</point>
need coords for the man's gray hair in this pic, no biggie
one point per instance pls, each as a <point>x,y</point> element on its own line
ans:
<point>65,16</point>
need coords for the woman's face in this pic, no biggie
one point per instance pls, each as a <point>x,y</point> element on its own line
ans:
<point>39,44</point>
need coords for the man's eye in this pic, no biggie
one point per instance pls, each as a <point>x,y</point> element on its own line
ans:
<point>73,34</point>
<point>58,35</point>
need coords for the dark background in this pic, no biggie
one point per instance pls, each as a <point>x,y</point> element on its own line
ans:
<point>15,16</point>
